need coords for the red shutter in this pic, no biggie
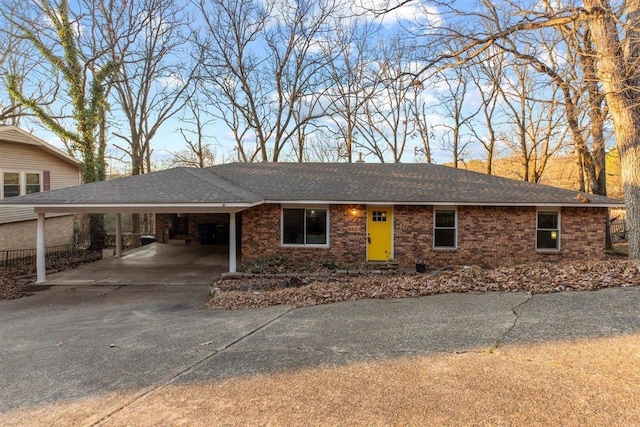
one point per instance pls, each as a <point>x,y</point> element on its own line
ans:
<point>46,178</point>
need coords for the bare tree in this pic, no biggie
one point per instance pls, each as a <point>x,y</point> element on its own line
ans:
<point>84,74</point>
<point>349,54</point>
<point>149,41</point>
<point>387,122</point>
<point>200,152</point>
<point>457,112</point>
<point>262,65</point>
<point>614,33</point>
<point>537,129</point>
<point>487,76</point>
<point>419,109</point>
<point>574,73</point>
<point>324,149</point>
<point>589,138</point>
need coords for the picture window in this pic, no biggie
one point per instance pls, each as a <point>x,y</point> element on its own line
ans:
<point>304,226</point>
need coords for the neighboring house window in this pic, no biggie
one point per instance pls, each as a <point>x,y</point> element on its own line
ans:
<point>19,183</point>
<point>548,230</point>
<point>33,183</point>
<point>10,184</point>
<point>445,229</point>
<point>304,226</point>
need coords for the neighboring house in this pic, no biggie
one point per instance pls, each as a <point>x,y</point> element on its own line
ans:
<point>29,165</point>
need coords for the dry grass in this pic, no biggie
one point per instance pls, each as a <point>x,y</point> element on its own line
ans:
<point>593,382</point>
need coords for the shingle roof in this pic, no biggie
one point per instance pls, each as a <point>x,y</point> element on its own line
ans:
<point>173,186</point>
<point>252,183</point>
<point>390,183</point>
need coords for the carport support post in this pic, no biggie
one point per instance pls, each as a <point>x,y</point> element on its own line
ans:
<point>41,261</point>
<point>118,235</point>
<point>232,242</point>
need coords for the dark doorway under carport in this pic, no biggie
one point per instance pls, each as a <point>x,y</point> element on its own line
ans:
<point>201,228</point>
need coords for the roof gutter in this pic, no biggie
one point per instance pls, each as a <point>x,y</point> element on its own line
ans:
<point>577,204</point>
<point>140,207</point>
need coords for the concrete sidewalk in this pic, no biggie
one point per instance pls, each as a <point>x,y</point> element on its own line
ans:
<point>107,346</point>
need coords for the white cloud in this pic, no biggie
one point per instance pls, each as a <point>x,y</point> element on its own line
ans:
<point>171,81</point>
<point>413,11</point>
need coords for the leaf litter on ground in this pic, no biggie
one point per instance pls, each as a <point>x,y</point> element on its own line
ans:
<point>536,278</point>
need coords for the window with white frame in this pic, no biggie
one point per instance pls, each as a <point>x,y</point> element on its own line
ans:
<point>445,228</point>
<point>10,184</point>
<point>305,226</point>
<point>32,183</point>
<point>14,183</point>
<point>548,230</point>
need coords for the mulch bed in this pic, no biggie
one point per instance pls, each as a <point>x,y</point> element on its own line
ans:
<point>11,287</point>
<point>536,278</point>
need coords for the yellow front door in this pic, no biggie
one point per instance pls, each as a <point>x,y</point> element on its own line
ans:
<point>379,229</point>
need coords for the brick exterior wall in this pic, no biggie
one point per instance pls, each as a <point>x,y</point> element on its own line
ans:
<point>492,236</point>
<point>22,235</point>
<point>487,236</point>
<point>165,221</point>
<point>347,236</point>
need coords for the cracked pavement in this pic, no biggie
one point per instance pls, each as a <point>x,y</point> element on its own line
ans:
<point>127,342</point>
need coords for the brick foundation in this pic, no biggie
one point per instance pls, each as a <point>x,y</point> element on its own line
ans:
<point>22,235</point>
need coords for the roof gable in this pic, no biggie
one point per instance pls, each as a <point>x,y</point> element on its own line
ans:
<point>16,135</point>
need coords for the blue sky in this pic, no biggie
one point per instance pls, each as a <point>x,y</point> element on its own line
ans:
<point>169,138</point>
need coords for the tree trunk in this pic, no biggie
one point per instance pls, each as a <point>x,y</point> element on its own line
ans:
<point>581,185</point>
<point>620,77</point>
<point>97,232</point>
<point>629,147</point>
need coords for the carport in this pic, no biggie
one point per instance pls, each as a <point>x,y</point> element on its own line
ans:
<point>119,210</point>
<point>173,191</point>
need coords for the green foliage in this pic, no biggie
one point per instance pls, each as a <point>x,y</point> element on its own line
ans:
<point>88,100</point>
<point>86,82</point>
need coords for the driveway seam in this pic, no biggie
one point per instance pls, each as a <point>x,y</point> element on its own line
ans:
<point>189,368</point>
<point>514,310</point>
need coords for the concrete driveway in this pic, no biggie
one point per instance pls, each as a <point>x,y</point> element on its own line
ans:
<point>81,355</point>
<point>154,264</point>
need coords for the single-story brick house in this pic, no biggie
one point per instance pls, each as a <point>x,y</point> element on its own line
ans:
<point>350,213</point>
